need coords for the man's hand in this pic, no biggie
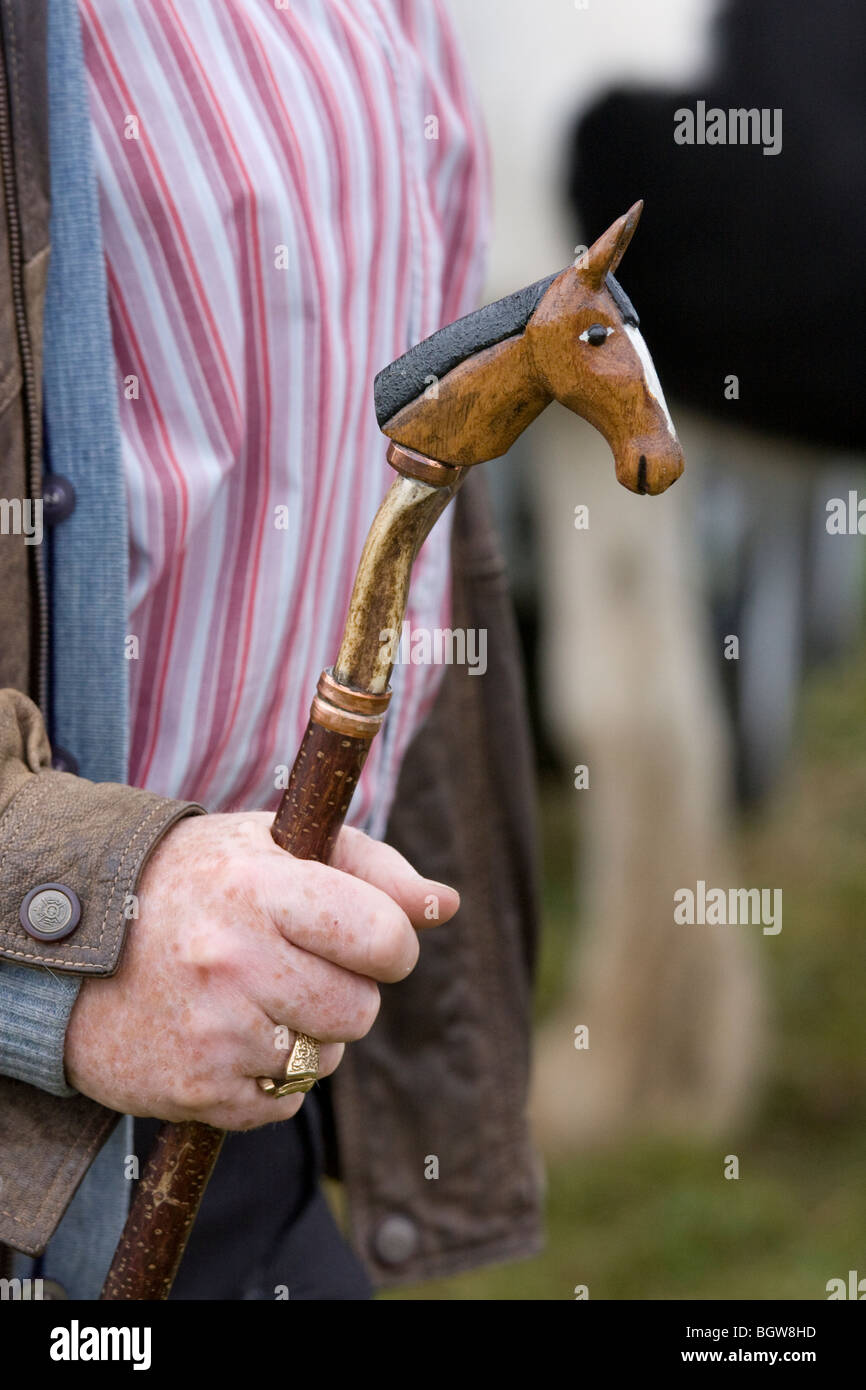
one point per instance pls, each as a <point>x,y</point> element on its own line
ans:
<point>237,941</point>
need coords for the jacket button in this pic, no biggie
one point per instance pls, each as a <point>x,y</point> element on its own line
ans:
<point>396,1240</point>
<point>62,761</point>
<point>58,498</point>
<point>50,912</point>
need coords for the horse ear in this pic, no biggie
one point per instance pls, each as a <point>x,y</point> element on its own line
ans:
<point>604,255</point>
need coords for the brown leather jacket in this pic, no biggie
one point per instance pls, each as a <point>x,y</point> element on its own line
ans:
<point>444,1070</point>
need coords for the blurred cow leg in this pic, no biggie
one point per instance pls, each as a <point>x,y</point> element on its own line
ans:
<point>673,1012</point>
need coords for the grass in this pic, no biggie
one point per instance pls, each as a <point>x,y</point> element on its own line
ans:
<point>652,1220</point>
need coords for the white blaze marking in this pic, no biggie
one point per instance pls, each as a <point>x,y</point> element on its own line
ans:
<point>650,374</point>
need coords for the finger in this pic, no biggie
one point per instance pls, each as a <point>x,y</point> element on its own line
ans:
<point>276,1050</point>
<point>236,1042</point>
<point>250,1107</point>
<point>223,1091</point>
<point>258,972</point>
<point>337,917</point>
<point>245,1106</point>
<point>316,996</point>
<point>424,900</point>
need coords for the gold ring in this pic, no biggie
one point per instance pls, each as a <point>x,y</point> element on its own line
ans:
<point>300,1072</point>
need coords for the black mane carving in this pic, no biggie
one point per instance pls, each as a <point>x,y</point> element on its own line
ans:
<point>407,377</point>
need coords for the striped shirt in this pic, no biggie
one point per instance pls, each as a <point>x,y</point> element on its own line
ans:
<point>292,192</point>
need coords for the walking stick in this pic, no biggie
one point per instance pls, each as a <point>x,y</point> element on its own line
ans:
<point>457,399</point>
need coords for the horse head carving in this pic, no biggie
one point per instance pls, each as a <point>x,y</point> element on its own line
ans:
<point>464,394</point>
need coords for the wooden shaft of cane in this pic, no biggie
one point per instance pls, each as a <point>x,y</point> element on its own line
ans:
<point>345,716</point>
<point>163,1209</point>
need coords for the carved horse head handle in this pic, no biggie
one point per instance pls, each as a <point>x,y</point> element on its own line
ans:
<point>466,393</point>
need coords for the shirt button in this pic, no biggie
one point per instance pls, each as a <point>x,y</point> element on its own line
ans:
<point>50,912</point>
<point>396,1240</point>
<point>62,761</point>
<point>58,498</point>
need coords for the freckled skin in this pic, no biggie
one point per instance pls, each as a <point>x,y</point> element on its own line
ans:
<point>234,938</point>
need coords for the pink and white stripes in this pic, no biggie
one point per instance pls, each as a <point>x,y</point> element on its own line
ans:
<point>278,225</point>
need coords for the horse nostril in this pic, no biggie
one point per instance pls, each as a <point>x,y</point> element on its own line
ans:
<point>641,474</point>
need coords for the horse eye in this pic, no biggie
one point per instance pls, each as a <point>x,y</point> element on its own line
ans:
<point>596,334</point>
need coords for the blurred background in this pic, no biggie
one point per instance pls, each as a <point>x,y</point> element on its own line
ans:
<point>704,1042</point>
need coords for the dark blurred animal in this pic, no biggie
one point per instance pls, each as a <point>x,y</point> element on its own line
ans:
<point>751,264</point>
<point>757,277</point>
